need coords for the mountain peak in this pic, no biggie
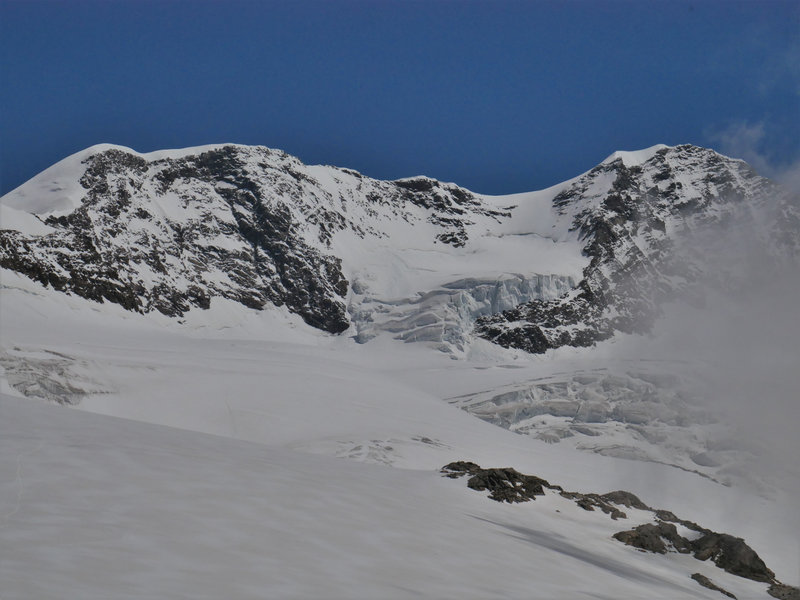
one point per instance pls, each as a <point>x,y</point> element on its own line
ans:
<point>634,158</point>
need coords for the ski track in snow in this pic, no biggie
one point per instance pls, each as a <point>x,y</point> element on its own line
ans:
<point>20,483</point>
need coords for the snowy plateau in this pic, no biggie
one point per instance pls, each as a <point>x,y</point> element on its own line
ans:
<point>228,374</point>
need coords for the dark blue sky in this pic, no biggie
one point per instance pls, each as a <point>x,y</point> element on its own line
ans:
<point>496,96</point>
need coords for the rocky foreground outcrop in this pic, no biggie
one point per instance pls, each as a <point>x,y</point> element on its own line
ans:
<point>660,536</point>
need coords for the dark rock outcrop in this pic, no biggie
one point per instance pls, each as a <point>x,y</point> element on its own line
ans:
<point>729,553</point>
<point>504,485</point>
<point>733,555</point>
<point>784,592</point>
<point>707,583</point>
<point>625,499</point>
<point>653,537</point>
<point>592,501</point>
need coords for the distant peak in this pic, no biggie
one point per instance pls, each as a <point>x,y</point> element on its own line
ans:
<point>156,154</point>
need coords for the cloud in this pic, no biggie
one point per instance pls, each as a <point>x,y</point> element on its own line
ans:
<point>733,335</point>
<point>747,345</point>
<point>748,141</point>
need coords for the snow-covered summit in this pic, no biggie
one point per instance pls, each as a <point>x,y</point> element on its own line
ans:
<point>57,190</point>
<point>634,158</point>
<point>654,224</point>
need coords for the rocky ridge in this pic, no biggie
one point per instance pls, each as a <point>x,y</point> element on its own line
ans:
<point>169,232</point>
<point>248,224</point>
<point>651,230</point>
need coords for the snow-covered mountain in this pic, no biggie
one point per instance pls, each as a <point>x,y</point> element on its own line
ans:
<point>171,231</point>
<point>234,291</point>
<point>425,260</point>
<point>647,221</point>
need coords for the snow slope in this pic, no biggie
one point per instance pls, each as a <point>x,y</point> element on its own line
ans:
<point>142,510</point>
<point>106,508</point>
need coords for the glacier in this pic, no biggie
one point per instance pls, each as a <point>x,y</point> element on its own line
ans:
<point>223,372</point>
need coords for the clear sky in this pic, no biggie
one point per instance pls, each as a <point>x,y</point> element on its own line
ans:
<point>497,96</point>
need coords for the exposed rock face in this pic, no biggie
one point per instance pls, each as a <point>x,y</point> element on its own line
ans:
<point>729,553</point>
<point>652,537</point>
<point>733,555</point>
<point>645,229</point>
<point>784,592</point>
<point>592,501</point>
<point>624,498</point>
<point>169,235</point>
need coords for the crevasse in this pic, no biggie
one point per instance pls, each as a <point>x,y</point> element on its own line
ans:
<point>445,316</point>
